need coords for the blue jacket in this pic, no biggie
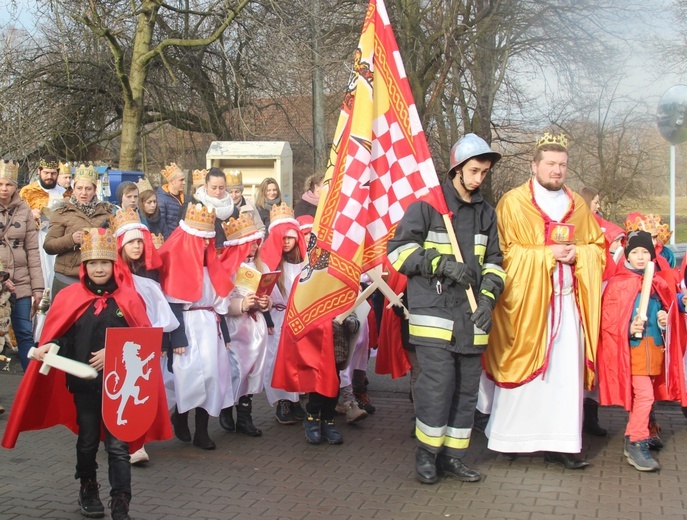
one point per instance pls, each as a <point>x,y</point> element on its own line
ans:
<point>170,213</point>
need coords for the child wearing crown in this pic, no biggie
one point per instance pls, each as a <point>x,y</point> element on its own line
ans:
<point>77,322</point>
<point>284,250</point>
<point>140,263</point>
<point>247,327</point>
<point>636,366</point>
<point>197,287</point>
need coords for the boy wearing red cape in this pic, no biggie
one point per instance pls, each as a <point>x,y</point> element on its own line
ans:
<point>639,362</point>
<point>77,321</point>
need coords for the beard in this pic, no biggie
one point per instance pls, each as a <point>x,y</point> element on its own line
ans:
<point>47,185</point>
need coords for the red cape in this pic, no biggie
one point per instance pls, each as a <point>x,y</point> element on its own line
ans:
<point>611,232</point>
<point>307,365</point>
<point>391,356</point>
<point>613,356</point>
<point>181,273</point>
<point>43,401</point>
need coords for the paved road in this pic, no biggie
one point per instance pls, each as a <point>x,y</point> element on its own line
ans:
<point>279,476</point>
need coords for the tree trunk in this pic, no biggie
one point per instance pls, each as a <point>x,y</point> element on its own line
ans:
<point>132,116</point>
<point>318,126</point>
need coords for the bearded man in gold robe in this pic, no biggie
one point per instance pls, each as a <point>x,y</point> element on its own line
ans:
<point>546,324</point>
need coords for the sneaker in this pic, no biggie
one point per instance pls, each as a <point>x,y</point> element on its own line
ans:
<point>313,430</point>
<point>119,506</point>
<point>89,499</point>
<point>353,412</point>
<point>297,411</point>
<point>329,432</point>
<point>139,456</point>
<point>655,442</point>
<point>364,402</point>
<point>637,454</point>
<point>283,414</point>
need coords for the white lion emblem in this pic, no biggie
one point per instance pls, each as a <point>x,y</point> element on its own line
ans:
<point>133,366</point>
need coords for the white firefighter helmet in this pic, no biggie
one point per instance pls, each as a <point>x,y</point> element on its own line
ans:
<point>469,146</point>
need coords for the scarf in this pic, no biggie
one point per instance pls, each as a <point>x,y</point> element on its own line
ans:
<point>224,208</point>
<point>270,203</point>
<point>310,197</point>
<point>87,208</point>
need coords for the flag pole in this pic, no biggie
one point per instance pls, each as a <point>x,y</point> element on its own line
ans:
<point>459,258</point>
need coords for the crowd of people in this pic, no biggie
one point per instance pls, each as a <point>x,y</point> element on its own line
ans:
<point>520,320</point>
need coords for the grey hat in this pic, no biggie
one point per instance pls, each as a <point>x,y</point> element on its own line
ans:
<point>470,146</point>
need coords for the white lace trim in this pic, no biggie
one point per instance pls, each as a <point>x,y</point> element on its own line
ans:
<point>196,232</point>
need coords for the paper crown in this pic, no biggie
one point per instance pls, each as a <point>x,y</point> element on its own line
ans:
<point>9,170</point>
<point>171,171</point>
<point>280,212</point>
<point>143,184</point>
<point>98,244</point>
<point>50,164</point>
<point>85,173</point>
<point>637,222</point>
<point>548,138</point>
<point>158,240</point>
<point>65,168</point>
<point>199,177</point>
<point>234,179</point>
<point>200,218</point>
<point>237,228</point>
<point>664,233</point>
<point>125,220</point>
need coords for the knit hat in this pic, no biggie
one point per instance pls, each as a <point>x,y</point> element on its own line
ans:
<point>132,234</point>
<point>637,239</point>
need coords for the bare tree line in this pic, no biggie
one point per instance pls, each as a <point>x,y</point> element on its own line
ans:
<point>141,83</point>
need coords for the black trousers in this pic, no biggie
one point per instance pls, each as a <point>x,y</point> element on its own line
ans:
<point>445,399</point>
<point>89,418</point>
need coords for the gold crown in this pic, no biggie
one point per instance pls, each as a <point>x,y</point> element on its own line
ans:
<point>98,244</point>
<point>200,218</point>
<point>171,171</point>
<point>158,240</point>
<point>65,168</point>
<point>237,228</point>
<point>234,178</point>
<point>199,177</point>
<point>548,138</point>
<point>664,233</point>
<point>637,222</point>
<point>85,173</point>
<point>50,165</point>
<point>143,184</point>
<point>280,212</point>
<point>9,170</point>
<point>125,217</point>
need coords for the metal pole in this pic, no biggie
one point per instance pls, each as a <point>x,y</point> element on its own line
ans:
<point>672,193</point>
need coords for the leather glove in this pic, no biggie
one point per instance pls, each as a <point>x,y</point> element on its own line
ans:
<point>456,271</point>
<point>482,315</point>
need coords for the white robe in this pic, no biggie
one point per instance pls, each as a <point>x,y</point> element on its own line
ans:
<point>546,413</point>
<point>157,308</point>
<point>248,333</point>
<point>202,375</point>
<point>289,273</point>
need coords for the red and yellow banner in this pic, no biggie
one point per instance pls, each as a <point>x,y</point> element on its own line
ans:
<point>379,165</point>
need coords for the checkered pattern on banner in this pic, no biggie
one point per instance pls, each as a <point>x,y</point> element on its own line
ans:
<point>378,187</point>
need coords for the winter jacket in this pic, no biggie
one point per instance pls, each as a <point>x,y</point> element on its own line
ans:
<point>170,211</point>
<point>64,222</point>
<point>439,308</point>
<point>19,247</point>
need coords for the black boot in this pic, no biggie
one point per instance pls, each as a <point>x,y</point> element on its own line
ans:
<point>591,419</point>
<point>119,505</point>
<point>201,438</point>
<point>89,499</point>
<point>180,425</point>
<point>454,467</point>
<point>425,466</point>
<point>244,420</point>
<point>226,419</point>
